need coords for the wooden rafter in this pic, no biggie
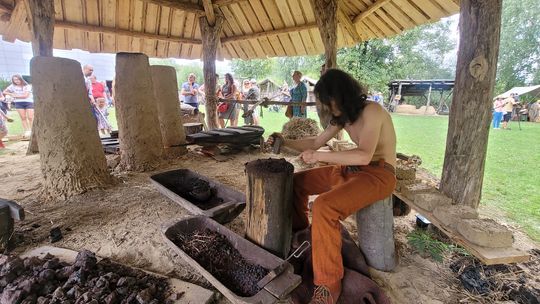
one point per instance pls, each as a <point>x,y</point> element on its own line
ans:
<point>5,8</point>
<point>17,19</point>
<point>344,20</point>
<point>115,31</point>
<point>209,11</point>
<point>226,2</point>
<point>181,5</point>
<point>269,33</point>
<point>370,10</point>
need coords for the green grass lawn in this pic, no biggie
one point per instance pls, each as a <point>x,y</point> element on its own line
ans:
<point>512,165</point>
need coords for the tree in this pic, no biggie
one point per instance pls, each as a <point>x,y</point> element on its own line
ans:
<point>182,71</point>
<point>520,38</point>
<point>255,68</point>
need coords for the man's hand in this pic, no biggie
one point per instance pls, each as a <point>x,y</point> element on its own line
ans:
<point>272,138</point>
<point>309,156</point>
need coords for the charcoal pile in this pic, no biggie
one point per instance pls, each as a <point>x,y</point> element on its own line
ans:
<point>50,281</point>
<point>299,128</point>
<point>216,254</point>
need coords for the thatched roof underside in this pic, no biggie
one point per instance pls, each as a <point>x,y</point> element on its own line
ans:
<point>252,28</point>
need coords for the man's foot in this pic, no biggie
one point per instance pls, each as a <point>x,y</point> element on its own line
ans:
<point>326,294</point>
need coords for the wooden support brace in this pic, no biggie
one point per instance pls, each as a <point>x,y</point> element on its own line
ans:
<point>18,18</point>
<point>348,25</point>
<point>370,10</point>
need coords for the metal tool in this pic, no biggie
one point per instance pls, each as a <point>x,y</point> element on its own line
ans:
<point>278,142</point>
<point>279,270</point>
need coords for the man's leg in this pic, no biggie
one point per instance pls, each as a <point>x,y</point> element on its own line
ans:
<point>306,183</point>
<point>358,191</point>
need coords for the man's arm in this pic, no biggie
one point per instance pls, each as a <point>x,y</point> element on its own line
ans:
<point>184,92</point>
<point>369,130</point>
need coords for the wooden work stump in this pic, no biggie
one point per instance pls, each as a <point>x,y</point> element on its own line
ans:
<point>269,204</point>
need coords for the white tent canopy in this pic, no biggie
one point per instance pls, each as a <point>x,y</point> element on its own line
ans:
<point>533,91</point>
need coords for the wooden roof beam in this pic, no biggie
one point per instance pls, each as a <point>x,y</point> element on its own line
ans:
<point>209,11</point>
<point>269,33</point>
<point>17,22</point>
<point>115,31</point>
<point>226,2</point>
<point>5,8</point>
<point>370,10</point>
<point>181,5</point>
<point>349,27</point>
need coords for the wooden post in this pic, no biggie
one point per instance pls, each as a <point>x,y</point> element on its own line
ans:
<point>41,20</point>
<point>210,40</point>
<point>269,204</point>
<point>375,225</point>
<point>327,22</point>
<point>141,146</point>
<point>428,98</point>
<point>72,158</point>
<point>470,115</point>
<point>168,110</point>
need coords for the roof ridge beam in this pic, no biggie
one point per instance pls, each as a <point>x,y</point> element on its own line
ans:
<point>285,30</point>
<point>370,10</point>
<point>181,5</point>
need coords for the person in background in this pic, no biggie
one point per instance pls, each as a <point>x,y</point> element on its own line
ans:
<point>381,99</point>
<point>298,94</point>
<point>88,70</point>
<point>498,112</point>
<point>190,90</point>
<point>253,93</point>
<point>98,89</point>
<point>108,95</point>
<point>508,109</point>
<point>21,93</point>
<point>392,106</point>
<point>4,104</point>
<point>104,126</point>
<point>229,91</point>
<point>3,127</point>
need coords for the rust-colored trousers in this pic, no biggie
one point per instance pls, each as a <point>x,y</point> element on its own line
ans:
<point>341,193</point>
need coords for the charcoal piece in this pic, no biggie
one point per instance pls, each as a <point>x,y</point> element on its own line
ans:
<point>86,260</point>
<point>32,262</point>
<point>472,280</point>
<point>55,235</point>
<point>64,272</point>
<point>122,291</point>
<point>14,265</point>
<point>200,189</point>
<point>102,282</point>
<point>47,288</point>
<point>52,264</point>
<point>59,294</point>
<point>28,286</point>
<point>126,281</point>
<point>47,274</point>
<point>144,296</point>
<point>43,300</point>
<point>31,299</point>
<point>12,295</point>
<point>75,292</point>
<point>112,298</point>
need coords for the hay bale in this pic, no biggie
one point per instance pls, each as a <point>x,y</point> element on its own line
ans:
<point>299,128</point>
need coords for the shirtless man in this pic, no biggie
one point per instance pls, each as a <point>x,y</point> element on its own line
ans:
<point>358,178</point>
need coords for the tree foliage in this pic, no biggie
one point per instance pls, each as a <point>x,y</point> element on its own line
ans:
<point>182,70</point>
<point>519,53</point>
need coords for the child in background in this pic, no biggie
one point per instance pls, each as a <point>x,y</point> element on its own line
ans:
<point>103,122</point>
<point>3,127</point>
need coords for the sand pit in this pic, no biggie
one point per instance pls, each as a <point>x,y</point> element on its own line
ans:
<point>486,233</point>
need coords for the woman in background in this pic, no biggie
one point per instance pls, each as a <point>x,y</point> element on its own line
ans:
<point>21,92</point>
<point>298,93</point>
<point>229,91</point>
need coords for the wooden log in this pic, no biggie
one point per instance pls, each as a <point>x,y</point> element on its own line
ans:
<point>375,225</point>
<point>141,146</point>
<point>193,127</point>
<point>168,109</point>
<point>41,20</point>
<point>210,40</point>
<point>6,227</point>
<point>466,143</point>
<point>72,159</point>
<point>269,204</point>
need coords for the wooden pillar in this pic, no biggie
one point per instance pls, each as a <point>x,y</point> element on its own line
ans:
<point>327,22</point>
<point>428,98</point>
<point>470,115</point>
<point>40,16</point>
<point>168,109</point>
<point>269,204</point>
<point>72,158</point>
<point>141,146</point>
<point>375,225</point>
<point>210,40</point>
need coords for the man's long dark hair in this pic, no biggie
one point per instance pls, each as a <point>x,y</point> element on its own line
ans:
<point>349,95</point>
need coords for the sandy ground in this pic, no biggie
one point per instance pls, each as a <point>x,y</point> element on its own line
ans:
<point>123,222</point>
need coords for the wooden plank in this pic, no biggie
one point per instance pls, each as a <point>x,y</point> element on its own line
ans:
<point>188,33</point>
<point>308,42</point>
<point>190,7</point>
<point>347,25</point>
<point>488,256</point>
<point>242,19</point>
<point>390,22</point>
<point>136,23</point>
<point>417,16</point>
<point>164,30</point>
<point>238,31</point>
<point>73,13</point>
<point>59,39</point>
<point>93,39</point>
<point>150,26</point>
<point>449,6</point>
<point>17,23</point>
<point>434,12</point>
<point>209,11</point>
<point>257,27</point>
<point>381,25</point>
<point>370,10</point>
<point>404,20</point>
<point>123,9</point>
<point>177,28</point>
<point>266,24</point>
<point>196,49</point>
